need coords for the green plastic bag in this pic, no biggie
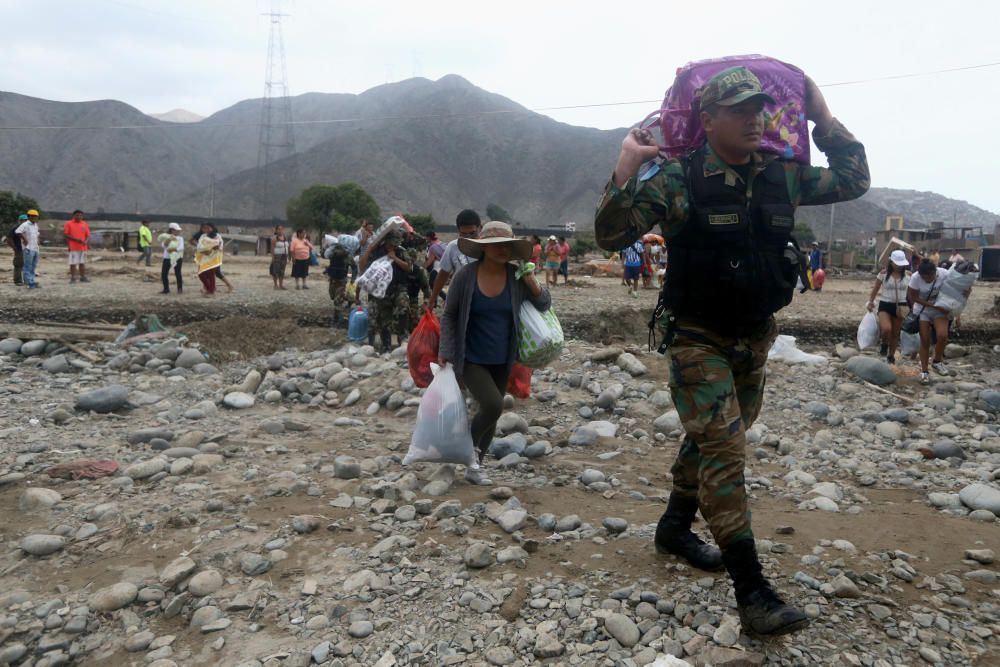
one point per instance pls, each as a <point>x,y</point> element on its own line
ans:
<point>539,337</point>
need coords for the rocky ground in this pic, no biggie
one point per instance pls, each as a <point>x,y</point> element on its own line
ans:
<point>249,507</point>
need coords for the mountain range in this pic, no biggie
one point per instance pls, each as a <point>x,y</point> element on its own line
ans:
<point>415,145</point>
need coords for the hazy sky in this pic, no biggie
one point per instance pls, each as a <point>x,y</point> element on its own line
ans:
<point>926,133</point>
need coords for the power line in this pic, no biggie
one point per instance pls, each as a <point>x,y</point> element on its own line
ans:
<point>457,114</point>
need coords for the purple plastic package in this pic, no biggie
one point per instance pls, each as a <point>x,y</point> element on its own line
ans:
<point>786,132</point>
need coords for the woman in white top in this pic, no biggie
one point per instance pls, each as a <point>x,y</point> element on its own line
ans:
<point>891,287</point>
<point>925,286</point>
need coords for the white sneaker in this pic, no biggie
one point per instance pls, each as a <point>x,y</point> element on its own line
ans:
<point>477,477</point>
<point>925,377</point>
<point>940,368</point>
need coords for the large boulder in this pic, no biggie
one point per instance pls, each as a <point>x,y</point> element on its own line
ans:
<point>871,370</point>
<point>103,400</point>
<point>979,496</point>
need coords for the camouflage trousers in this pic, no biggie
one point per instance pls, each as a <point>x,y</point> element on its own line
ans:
<point>717,384</point>
<point>338,294</point>
<point>391,313</point>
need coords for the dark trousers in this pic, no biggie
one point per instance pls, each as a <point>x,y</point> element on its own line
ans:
<point>165,275</point>
<point>487,384</point>
<point>18,267</point>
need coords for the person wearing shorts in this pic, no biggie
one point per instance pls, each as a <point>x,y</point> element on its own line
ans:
<point>634,257</point>
<point>76,231</point>
<point>923,291</point>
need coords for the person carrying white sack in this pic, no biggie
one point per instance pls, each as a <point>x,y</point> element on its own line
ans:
<point>891,287</point>
<point>479,328</point>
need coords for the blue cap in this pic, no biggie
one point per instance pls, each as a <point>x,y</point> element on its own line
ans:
<point>22,217</point>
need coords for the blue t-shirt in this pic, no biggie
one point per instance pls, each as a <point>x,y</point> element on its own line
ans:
<point>491,325</point>
<point>815,259</point>
<point>634,253</point>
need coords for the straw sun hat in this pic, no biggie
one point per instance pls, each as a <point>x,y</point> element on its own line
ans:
<point>492,233</point>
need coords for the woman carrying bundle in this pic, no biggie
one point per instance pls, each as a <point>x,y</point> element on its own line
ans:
<point>891,286</point>
<point>480,324</point>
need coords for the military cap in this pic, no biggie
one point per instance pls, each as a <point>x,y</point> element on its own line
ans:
<point>732,86</point>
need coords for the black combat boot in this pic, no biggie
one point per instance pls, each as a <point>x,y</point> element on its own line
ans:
<point>674,536</point>
<point>762,612</point>
<point>386,337</point>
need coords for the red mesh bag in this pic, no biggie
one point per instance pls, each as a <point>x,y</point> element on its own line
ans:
<point>519,384</point>
<point>423,349</point>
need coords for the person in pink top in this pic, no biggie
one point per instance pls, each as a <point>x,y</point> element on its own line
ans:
<point>76,231</point>
<point>301,251</point>
<point>563,259</point>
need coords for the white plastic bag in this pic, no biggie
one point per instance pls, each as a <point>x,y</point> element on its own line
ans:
<point>868,331</point>
<point>784,349</point>
<point>952,297</point>
<point>376,278</point>
<point>908,343</point>
<point>539,336</point>
<point>442,432</point>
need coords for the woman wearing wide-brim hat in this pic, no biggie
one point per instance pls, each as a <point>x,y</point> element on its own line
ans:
<point>480,323</point>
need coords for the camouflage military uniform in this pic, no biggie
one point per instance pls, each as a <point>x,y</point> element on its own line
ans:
<point>340,263</point>
<point>417,282</point>
<point>718,380</point>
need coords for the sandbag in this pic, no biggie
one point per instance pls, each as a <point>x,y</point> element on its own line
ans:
<point>357,325</point>
<point>376,278</point>
<point>539,338</point>
<point>422,349</point>
<point>909,343</point>
<point>786,132</point>
<point>519,384</point>
<point>442,432</point>
<point>868,331</point>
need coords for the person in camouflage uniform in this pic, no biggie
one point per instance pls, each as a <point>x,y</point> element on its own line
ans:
<point>340,264</point>
<point>417,281</point>
<point>390,314</point>
<point>718,338</point>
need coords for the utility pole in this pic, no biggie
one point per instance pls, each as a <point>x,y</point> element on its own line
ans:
<point>829,246</point>
<point>277,138</point>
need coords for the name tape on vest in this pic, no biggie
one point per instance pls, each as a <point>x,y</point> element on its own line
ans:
<point>724,219</point>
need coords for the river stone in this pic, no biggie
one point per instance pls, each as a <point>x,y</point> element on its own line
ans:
<point>205,615</point>
<point>346,467</point>
<point>979,496</point>
<point>56,364</point>
<point>103,400</point>
<point>148,434</point>
<point>189,358</point>
<point>947,449</point>
<point>238,400</point>
<point>10,345</point>
<point>145,469</point>
<point>176,571</point>
<point>615,525</point>
<point>33,348</point>
<point>254,564</point>
<point>478,555</point>
<point>871,370</point>
<point>37,498</point>
<point>990,399</point>
<point>205,583</point>
<point>622,629</point>
<point>42,545</point>
<point>890,430</point>
<point>512,520</point>
<point>668,422</point>
<point>114,596</point>
<point>628,363</point>
<point>661,399</point>
<point>511,422</point>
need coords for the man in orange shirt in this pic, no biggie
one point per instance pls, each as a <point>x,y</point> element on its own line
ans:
<point>77,234</point>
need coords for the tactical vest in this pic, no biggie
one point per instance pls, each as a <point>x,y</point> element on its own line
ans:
<point>339,260</point>
<point>731,265</point>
